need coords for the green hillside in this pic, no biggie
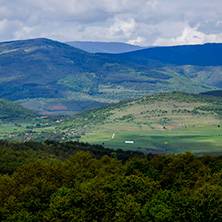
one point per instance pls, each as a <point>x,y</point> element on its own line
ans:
<point>10,111</point>
<point>173,122</point>
<point>49,76</point>
<point>150,112</point>
<point>209,54</point>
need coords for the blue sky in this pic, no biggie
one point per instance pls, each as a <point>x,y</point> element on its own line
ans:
<point>140,22</point>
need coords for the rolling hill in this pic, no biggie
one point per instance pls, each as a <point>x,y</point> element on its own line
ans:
<point>11,111</point>
<point>52,77</point>
<point>156,112</point>
<point>172,122</point>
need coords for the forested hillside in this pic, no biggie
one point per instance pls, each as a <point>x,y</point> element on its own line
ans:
<point>198,62</point>
<point>181,187</point>
<point>50,76</point>
<point>10,111</point>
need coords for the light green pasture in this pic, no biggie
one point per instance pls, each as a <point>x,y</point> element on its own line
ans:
<point>195,139</point>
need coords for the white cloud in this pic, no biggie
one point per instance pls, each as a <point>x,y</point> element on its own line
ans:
<point>145,22</point>
<point>121,27</point>
<point>3,25</point>
<point>7,28</point>
<point>138,41</point>
<point>24,32</point>
<point>190,36</point>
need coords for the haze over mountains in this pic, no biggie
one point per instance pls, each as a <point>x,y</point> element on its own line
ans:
<point>104,47</point>
<point>50,76</point>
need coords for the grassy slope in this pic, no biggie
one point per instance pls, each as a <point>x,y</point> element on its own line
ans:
<point>14,117</point>
<point>171,122</point>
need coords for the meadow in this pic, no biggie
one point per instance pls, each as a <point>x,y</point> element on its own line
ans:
<point>196,139</point>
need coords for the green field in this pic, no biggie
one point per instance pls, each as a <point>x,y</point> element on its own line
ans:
<point>21,130</point>
<point>194,139</point>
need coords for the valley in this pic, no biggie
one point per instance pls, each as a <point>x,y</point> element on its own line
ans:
<point>162,123</point>
<point>160,99</point>
<point>110,111</point>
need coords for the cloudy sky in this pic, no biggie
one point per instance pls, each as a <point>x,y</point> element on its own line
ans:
<point>140,22</point>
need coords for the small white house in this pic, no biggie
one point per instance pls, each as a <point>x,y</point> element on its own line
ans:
<point>129,141</point>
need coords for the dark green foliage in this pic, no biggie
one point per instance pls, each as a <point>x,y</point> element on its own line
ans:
<point>183,97</point>
<point>14,154</point>
<point>181,187</point>
<point>127,117</point>
<point>212,108</point>
<point>213,93</point>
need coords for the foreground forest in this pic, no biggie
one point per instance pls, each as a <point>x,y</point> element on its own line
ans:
<point>55,181</point>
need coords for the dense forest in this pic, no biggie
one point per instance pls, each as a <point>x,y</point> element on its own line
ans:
<point>71,181</point>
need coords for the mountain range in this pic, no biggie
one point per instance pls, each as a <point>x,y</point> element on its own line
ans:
<point>208,54</point>
<point>53,77</point>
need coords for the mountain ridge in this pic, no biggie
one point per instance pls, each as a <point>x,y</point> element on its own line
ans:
<point>49,74</point>
<point>198,55</point>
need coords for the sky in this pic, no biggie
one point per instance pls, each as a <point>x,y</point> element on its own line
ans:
<point>139,22</point>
